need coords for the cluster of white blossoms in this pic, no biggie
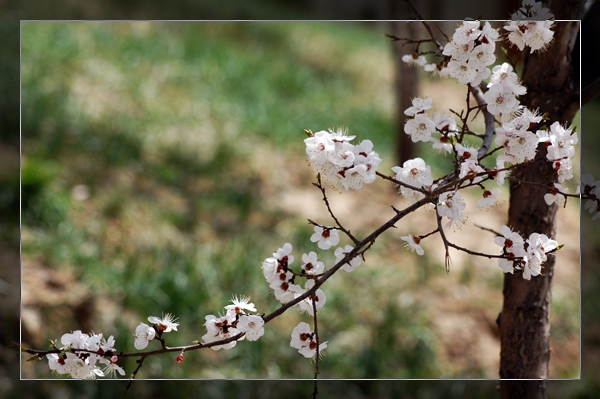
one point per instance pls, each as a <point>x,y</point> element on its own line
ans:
<point>305,340</point>
<point>235,321</point>
<point>472,52</point>
<point>282,279</point>
<point>560,143</point>
<point>145,333</point>
<point>528,259</point>
<point>84,365</point>
<point>531,26</point>
<point>468,163</point>
<point>420,126</point>
<point>415,173</point>
<point>452,206</point>
<point>503,88</point>
<point>519,142</point>
<point>346,166</point>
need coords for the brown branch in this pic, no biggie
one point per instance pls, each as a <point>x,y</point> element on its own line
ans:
<point>488,118</point>
<point>401,183</point>
<point>426,25</point>
<point>337,222</point>
<point>487,229</point>
<point>447,260</point>
<point>367,242</point>
<point>314,306</point>
<point>131,378</point>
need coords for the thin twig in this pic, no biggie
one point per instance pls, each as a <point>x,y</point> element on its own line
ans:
<point>314,306</point>
<point>426,25</point>
<point>447,260</point>
<point>139,362</point>
<point>401,183</point>
<point>337,222</point>
<point>488,229</point>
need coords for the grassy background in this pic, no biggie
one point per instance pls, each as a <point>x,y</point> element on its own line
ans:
<point>180,131</point>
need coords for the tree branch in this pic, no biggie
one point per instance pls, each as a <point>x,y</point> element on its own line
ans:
<point>487,116</point>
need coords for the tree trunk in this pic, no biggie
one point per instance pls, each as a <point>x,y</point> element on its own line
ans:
<point>524,322</point>
<point>406,89</point>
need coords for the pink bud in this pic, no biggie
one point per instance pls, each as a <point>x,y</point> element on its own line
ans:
<point>180,358</point>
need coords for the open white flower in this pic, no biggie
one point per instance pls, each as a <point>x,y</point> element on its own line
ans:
<point>252,325</point>
<point>143,334</point>
<point>218,329</point>
<point>326,237</point>
<point>500,100</point>
<point>306,305</point>
<point>511,241</point>
<point>556,195</point>
<point>311,265</point>
<point>304,339</point>
<point>112,368</point>
<point>489,198</point>
<point>284,254</point>
<point>301,335</point>
<point>464,73</point>
<point>412,243</point>
<point>451,205</point>
<point>240,305</point>
<point>166,324</point>
<point>82,369</point>
<point>419,105</point>
<point>419,128</point>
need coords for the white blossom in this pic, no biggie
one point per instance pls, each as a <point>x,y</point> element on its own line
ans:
<point>451,205</point>
<point>240,305</point>
<point>489,198</point>
<point>311,265</point>
<point>143,334</point>
<point>500,100</point>
<point>414,59</point>
<point>252,325</point>
<point>325,237</point>
<point>166,324</point>
<point>412,243</point>
<point>419,105</point>
<point>419,128</point>
<point>556,195</point>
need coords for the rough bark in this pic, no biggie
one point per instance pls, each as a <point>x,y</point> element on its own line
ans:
<point>406,84</point>
<point>524,322</point>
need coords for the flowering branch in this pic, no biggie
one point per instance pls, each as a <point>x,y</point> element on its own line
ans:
<point>319,185</point>
<point>344,166</point>
<point>425,24</point>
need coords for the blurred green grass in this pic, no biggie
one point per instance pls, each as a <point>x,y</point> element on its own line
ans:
<point>160,121</point>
